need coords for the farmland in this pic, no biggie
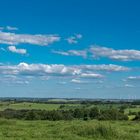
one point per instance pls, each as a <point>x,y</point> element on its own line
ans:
<point>27,105</point>
<point>54,106</point>
<point>78,128</point>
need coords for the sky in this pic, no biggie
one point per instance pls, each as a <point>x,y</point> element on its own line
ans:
<point>70,48</point>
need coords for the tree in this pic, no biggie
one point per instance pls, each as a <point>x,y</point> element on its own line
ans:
<point>94,113</point>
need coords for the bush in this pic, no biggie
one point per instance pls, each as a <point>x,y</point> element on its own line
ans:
<point>94,113</point>
<point>53,115</point>
<point>137,117</point>
<point>112,114</point>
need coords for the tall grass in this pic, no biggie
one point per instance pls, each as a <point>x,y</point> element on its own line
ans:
<point>69,130</point>
<point>94,131</point>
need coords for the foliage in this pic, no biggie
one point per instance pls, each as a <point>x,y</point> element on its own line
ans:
<point>53,115</point>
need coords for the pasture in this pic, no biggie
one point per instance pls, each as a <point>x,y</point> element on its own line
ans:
<point>28,105</point>
<point>69,130</point>
<point>77,129</point>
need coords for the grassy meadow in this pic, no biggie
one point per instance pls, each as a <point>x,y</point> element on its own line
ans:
<point>69,130</point>
<point>28,105</point>
<point>14,129</point>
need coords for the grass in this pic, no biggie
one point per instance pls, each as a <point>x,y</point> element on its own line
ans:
<point>69,130</point>
<point>136,109</point>
<point>66,130</point>
<point>42,106</point>
<point>26,105</point>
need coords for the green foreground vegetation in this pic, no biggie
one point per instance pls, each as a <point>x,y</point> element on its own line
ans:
<point>69,120</point>
<point>69,130</point>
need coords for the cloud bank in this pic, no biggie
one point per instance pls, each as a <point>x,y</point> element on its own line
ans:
<point>15,39</point>
<point>81,71</point>
<point>104,52</point>
<point>121,55</point>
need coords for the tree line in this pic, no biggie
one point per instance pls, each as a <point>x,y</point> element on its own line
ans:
<point>71,114</point>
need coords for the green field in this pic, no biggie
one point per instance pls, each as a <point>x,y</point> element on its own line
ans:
<point>69,130</point>
<point>26,105</point>
<point>136,109</point>
<point>13,129</point>
<point>43,106</point>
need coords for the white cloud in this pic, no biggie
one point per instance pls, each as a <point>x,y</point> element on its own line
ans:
<point>61,52</point>
<point>78,81</point>
<point>58,70</point>
<point>78,73</point>
<point>91,75</point>
<point>121,55</point>
<point>74,39</point>
<point>79,36</point>
<point>39,70</point>
<point>129,86</point>
<point>103,67</point>
<point>82,53</point>
<point>14,39</point>
<point>13,79</point>
<point>2,49</point>
<point>15,50</point>
<point>21,82</point>
<point>10,28</point>
<point>99,52</point>
<point>134,78</point>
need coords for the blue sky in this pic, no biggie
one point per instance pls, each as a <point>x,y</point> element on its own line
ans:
<point>70,48</point>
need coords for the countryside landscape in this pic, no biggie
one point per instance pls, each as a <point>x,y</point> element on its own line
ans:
<point>69,69</point>
<point>67,118</point>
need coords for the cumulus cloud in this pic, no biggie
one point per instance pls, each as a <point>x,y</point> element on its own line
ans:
<point>80,74</point>
<point>15,50</point>
<point>121,55</point>
<point>82,53</point>
<point>84,71</point>
<point>39,70</point>
<point>15,39</point>
<point>74,39</point>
